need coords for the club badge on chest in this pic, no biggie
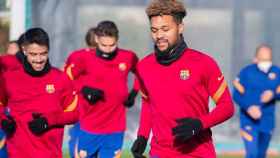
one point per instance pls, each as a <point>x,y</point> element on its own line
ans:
<point>122,66</point>
<point>50,88</point>
<point>272,76</point>
<point>184,74</point>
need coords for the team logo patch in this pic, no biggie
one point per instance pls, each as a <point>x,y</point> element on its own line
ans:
<point>272,76</point>
<point>122,66</point>
<point>248,128</point>
<point>50,88</point>
<point>83,154</point>
<point>184,74</point>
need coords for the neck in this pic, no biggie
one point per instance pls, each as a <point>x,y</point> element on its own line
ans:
<point>106,56</point>
<point>29,69</point>
<point>171,54</point>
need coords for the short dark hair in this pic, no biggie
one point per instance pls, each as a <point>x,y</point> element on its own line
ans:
<point>90,41</point>
<point>36,35</point>
<point>107,28</point>
<point>167,7</point>
<point>20,40</point>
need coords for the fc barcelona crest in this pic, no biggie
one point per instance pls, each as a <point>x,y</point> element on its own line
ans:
<point>50,88</point>
<point>122,66</point>
<point>184,74</point>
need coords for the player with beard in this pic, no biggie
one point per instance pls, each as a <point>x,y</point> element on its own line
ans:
<point>40,100</point>
<point>101,76</point>
<point>176,83</point>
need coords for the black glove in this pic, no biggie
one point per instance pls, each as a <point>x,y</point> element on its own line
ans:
<point>92,95</point>
<point>9,126</point>
<point>38,125</point>
<point>130,99</point>
<point>138,147</point>
<point>186,128</point>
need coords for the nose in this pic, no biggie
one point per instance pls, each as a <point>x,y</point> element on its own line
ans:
<point>159,34</point>
<point>38,58</point>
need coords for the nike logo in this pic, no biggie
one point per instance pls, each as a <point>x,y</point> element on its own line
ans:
<point>220,78</point>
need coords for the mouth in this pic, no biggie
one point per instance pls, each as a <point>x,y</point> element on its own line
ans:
<point>38,66</point>
<point>162,44</point>
<point>161,41</point>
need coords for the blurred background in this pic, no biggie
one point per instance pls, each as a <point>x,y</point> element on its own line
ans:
<point>228,30</point>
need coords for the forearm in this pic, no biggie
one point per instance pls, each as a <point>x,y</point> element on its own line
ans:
<point>223,111</point>
<point>145,120</point>
<point>62,118</point>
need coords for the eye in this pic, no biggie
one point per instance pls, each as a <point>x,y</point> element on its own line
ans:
<point>165,29</point>
<point>154,30</point>
<point>32,54</point>
<point>45,53</point>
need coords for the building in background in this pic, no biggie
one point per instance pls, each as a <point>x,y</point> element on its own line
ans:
<point>4,25</point>
<point>15,18</point>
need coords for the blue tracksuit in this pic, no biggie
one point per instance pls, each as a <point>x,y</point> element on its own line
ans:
<point>92,145</point>
<point>257,133</point>
<point>74,134</point>
<point>3,152</point>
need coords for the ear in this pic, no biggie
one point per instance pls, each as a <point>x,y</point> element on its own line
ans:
<point>181,28</point>
<point>23,50</point>
<point>96,39</point>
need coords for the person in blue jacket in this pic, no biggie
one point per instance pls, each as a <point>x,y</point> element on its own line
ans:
<point>256,90</point>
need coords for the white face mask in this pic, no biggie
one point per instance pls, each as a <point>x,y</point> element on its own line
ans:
<point>264,66</point>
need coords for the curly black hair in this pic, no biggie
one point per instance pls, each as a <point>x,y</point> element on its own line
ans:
<point>174,8</point>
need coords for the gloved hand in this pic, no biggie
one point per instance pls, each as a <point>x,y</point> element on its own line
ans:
<point>9,126</point>
<point>130,99</point>
<point>138,147</point>
<point>92,95</point>
<point>39,124</point>
<point>186,129</point>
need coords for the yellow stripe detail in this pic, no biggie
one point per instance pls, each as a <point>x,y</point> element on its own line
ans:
<point>2,143</point>
<point>69,71</point>
<point>239,86</point>
<point>73,105</point>
<point>246,135</point>
<point>118,154</point>
<point>220,91</point>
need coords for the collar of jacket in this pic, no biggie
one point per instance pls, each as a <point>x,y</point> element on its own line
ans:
<point>28,68</point>
<point>171,54</point>
<point>106,56</point>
